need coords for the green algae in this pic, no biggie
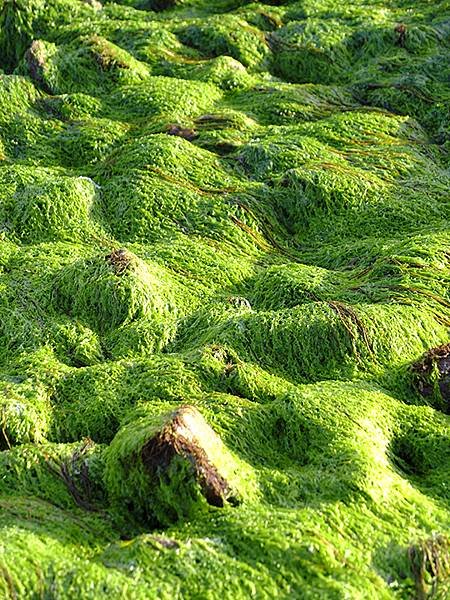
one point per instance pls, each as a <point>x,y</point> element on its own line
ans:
<point>39,206</point>
<point>137,476</point>
<point>241,207</point>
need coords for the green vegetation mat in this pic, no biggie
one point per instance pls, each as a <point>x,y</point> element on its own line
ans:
<point>242,208</point>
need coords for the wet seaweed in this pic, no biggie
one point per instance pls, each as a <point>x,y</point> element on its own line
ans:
<point>243,208</point>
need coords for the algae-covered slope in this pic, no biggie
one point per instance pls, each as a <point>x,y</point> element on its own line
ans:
<point>225,299</point>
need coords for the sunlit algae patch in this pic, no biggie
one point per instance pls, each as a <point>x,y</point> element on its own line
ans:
<point>224,299</point>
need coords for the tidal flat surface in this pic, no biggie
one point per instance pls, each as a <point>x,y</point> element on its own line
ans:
<point>224,299</point>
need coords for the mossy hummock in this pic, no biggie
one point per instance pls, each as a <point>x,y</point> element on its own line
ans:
<point>168,467</point>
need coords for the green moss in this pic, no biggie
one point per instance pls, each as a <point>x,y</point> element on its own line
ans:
<point>73,107</point>
<point>25,413</point>
<point>227,35</point>
<point>160,467</point>
<point>114,294</point>
<point>91,64</point>
<point>16,30</point>
<point>223,71</point>
<point>65,475</point>
<point>43,205</point>
<point>163,100</point>
<point>88,142</point>
<point>78,344</point>
<point>171,188</point>
<point>16,95</point>
<point>92,402</point>
<point>312,52</point>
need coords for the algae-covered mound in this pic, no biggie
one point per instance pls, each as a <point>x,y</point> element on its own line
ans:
<point>224,299</point>
<point>166,468</point>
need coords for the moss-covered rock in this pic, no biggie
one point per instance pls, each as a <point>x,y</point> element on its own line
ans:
<point>39,204</point>
<point>166,467</point>
<point>117,293</point>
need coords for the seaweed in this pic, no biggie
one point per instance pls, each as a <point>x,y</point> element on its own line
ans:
<point>165,467</point>
<point>224,299</point>
<point>430,563</point>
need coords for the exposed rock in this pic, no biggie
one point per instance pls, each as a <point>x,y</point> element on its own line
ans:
<point>433,373</point>
<point>35,58</point>
<point>239,302</point>
<point>119,260</point>
<point>184,132</point>
<point>186,434</point>
<point>430,563</point>
<point>95,4</point>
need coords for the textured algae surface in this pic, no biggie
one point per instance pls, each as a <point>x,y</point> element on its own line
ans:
<point>244,208</point>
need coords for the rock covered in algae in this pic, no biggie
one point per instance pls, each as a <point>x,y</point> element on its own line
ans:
<point>432,373</point>
<point>167,467</point>
<point>243,206</point>
<point>128,301</point>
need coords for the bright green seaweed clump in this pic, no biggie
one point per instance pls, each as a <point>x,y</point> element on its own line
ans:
<point>224,299</point>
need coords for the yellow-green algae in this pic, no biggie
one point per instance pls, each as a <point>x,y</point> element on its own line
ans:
<point>281,263</point>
